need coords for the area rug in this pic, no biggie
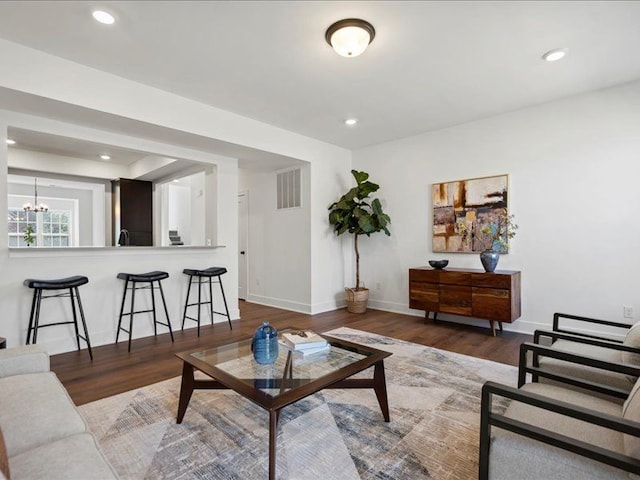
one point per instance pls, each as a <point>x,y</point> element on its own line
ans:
<point>434,399</point>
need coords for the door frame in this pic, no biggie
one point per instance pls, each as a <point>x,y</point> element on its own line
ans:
<point>245,194</point>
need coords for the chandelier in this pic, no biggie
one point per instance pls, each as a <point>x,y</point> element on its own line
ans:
<point>27,207</point>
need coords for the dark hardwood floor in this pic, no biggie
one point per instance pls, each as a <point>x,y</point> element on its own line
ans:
<point>152,359</point>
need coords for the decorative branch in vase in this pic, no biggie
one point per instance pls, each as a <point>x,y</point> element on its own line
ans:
<point>494,238</point>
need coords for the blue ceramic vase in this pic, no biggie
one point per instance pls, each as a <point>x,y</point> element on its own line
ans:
<point>489,259</point>
<point>265,344</point>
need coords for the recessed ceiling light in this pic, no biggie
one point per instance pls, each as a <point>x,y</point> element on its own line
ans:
<point>555,54</point>
<point>104,156</point>
<point>351,121</point>
<point>10,142</point>
<point>103,17</point>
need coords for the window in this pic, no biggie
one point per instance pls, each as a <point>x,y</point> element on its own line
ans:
<point>50,229</point>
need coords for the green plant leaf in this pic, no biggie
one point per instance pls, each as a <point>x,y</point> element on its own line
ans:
<point>359,176</point>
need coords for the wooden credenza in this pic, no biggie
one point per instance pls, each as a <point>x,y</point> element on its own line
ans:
<point>466,292</point>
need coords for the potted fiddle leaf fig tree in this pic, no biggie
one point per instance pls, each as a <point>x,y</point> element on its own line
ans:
<point>355,213</point>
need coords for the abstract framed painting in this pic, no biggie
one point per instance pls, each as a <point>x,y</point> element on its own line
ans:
<point>462,208</point>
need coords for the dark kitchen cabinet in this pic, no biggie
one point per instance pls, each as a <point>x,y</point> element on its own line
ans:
<point>132,212</point>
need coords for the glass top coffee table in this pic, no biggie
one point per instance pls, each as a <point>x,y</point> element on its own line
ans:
<point>288,380</point>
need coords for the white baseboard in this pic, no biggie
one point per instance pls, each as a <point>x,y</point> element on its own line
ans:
<point>280,303</point>
<point>328,306</point>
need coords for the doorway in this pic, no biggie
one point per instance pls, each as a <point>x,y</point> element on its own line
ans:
<point>243,236</point>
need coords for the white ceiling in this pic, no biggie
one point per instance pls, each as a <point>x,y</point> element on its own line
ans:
<point>71,147</point>
<point>431,65</point>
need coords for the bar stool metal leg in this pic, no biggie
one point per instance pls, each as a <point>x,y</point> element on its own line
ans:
<point>75,317</point>
<point>84,323</point>
<point>124,296</point>
<point>186,302</point>
<point>133,296</point>
<point>166,312</point>
<point>31,316</point>
<point>210,301</point>
<point>37,318</point>
<point>153,308</point>
<point>224,299</point>
<point>199,300</point>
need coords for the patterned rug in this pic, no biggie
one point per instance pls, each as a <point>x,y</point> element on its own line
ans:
<point>434,399</point>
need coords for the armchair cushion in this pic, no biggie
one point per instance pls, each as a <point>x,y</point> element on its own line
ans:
<point>514,456</point>
<point>631,411</point>
<point>27,359</point>
<point>632,339</point>
<point>598,375</point>
<point>565,425</point>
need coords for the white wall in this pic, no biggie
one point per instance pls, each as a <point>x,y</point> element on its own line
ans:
<point>574,167</point>
<point>179,206</point>
<point>279,250</point>
<point>198,202</point>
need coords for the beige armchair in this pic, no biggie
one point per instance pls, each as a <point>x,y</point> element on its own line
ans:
<point>540,430</point>
<point>583,343</point>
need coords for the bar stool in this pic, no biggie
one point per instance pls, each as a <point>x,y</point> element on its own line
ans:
<point>199,275</point>
<point>70,283</point>
<point>148,279</point>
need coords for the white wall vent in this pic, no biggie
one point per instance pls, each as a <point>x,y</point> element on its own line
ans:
<point>289,189</point>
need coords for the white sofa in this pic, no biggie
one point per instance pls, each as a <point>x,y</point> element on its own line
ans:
<point>44,434</point>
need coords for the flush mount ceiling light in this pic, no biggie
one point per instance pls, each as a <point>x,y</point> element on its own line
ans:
<point>351,121</point>
<point>555,54</point>
<point>10,142</point>
<point>104,156</point>
<point>103,17</point>
<point>350,37</point>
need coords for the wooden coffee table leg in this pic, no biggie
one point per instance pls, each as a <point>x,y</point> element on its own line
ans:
<point>273,430</point>
<point>380,387</point>
<point>186,389</point>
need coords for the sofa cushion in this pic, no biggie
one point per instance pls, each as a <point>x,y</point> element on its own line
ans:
<point>26,359</point>
<point>36,409</point>
<point>598,375</point>
<point>4,460</point>
<point>73,457</point>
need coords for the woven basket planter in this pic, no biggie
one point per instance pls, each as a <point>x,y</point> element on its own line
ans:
<point>357,300</point>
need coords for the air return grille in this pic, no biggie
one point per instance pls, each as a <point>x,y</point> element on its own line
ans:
<point>289,189</point>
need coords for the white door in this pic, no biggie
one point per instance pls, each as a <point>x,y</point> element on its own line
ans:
<point>243,229</point>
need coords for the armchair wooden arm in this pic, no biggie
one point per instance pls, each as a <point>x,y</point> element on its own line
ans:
<point>612,344</point>
<point>557,327</point>
<point>488,419</point>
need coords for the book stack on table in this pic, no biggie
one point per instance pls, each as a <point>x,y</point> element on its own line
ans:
<point>305,342</point>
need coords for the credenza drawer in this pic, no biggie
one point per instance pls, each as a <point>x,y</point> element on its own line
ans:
<point>494,281</point>
<point>493,303</point>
